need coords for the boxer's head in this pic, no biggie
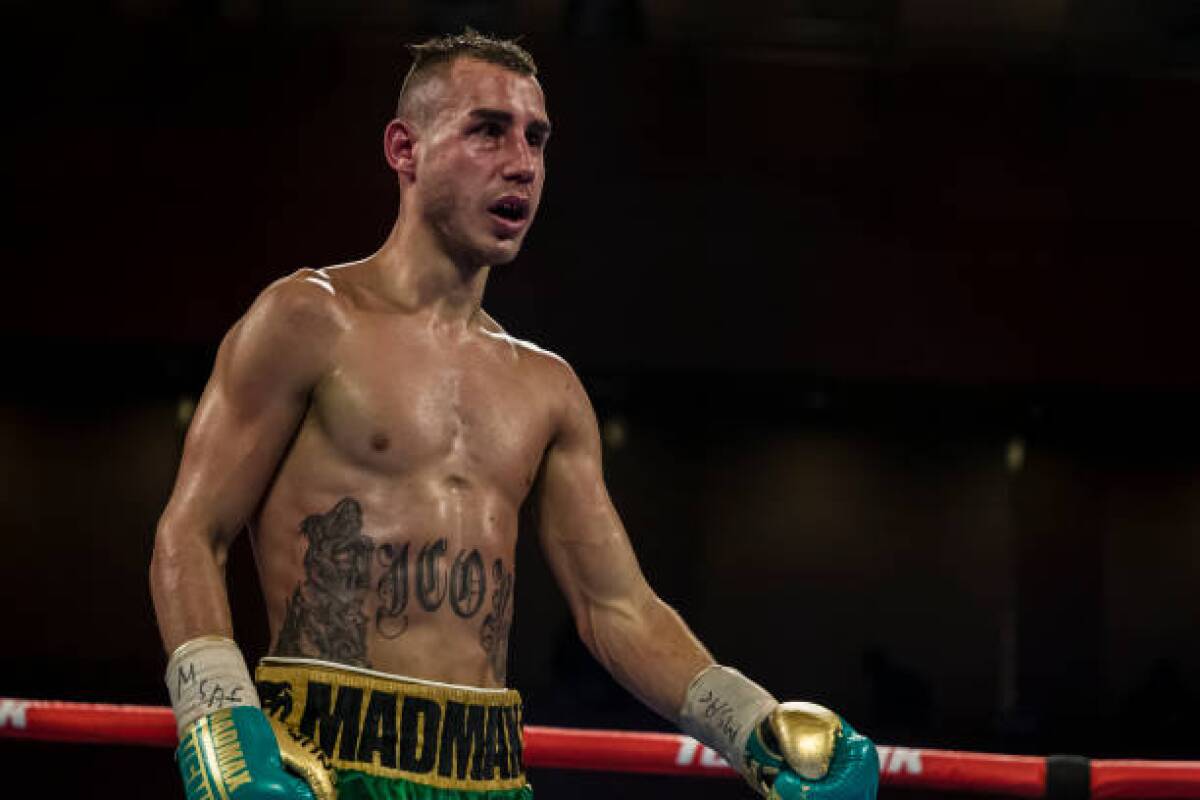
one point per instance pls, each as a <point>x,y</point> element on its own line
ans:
<point>468,145</point>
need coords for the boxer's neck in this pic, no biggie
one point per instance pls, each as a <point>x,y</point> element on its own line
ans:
<point>416,273</point>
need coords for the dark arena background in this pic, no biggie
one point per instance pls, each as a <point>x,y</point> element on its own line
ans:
<point>888,309</point>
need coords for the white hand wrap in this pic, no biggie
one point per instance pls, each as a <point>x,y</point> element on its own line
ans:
<point>205,675</point>
<point>721,709</point>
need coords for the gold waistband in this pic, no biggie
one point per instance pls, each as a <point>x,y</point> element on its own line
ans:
<point>451,737</point>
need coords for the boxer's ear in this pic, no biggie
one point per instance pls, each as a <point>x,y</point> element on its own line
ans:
<point>399,140</point>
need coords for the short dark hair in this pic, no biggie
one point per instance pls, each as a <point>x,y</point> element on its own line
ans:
<point>437,54</point>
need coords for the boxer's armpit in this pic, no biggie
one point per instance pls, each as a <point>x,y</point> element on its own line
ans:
<point>325,616</point>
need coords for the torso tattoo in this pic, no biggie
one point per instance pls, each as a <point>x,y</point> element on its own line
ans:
<point>390,619</point>
<point>494,633</point>
<point>325,616</point>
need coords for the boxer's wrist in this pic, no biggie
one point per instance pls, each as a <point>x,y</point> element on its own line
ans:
<point>721,709</point>
<point>227,746</point>
<point>205,675</point>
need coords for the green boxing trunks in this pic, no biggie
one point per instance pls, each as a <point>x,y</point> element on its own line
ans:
<point>395,738</point>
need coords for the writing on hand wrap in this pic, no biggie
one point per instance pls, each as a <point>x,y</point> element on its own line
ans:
<point>206,675</point>
<point>721,713</point>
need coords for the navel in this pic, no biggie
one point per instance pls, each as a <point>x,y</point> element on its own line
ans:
<point>380,442</point>
<point>456,481</point>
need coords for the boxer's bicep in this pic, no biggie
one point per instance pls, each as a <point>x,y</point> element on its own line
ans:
<point>642,642</point>
<point>254,400</point>
<point>249,411</point>
<point>581,533</point>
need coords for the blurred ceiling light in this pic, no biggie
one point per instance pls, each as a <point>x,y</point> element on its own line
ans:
<point>1014,455</point>
<point>184,411</point>
<point>615,433</point>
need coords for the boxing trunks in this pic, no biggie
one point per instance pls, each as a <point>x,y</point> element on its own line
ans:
<point>395,738</point>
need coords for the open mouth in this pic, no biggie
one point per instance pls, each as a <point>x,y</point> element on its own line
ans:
<point>510,209</point>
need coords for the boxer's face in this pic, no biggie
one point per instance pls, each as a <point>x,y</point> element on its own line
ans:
<point>480,161</point>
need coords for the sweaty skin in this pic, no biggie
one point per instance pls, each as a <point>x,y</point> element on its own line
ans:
<point>378,434</point>
<point>387,538</point>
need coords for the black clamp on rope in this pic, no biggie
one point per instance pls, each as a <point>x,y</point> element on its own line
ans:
<point>1068,778</point>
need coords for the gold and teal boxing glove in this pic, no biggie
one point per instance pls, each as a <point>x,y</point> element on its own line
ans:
<point>787,751</point>
<point>239,753</point>
<point>803,750</point>
<point>228,748</point>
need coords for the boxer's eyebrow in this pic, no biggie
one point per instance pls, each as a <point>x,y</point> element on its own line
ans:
<point>499,116</point>
<point>492,115</point>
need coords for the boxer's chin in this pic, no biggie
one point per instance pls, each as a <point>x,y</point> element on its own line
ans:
<point>502,251</point>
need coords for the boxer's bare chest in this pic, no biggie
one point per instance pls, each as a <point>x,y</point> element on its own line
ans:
<point>468,409</point>
<point>404,485</point>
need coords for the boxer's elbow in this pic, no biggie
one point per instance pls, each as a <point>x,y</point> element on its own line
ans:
<point>588,626</point>
<point>616,627</point>
<point>181,543</point>
<point>187,583</point>
<point>647,648</point>
<point>168,560</point>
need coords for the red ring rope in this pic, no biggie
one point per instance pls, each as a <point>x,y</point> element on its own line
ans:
<point>656,753</point>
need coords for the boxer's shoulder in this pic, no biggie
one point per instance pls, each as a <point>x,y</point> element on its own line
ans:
<point>527,354</point>
<point>552,372</point>
<point>288,333</point>
<point>546,370</point>
<point>306,298</point>
<point>571,408</point>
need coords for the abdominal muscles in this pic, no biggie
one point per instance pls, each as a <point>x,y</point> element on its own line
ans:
<point>430,606</point>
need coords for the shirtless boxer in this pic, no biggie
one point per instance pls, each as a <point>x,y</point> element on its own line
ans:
<point>377,433</point>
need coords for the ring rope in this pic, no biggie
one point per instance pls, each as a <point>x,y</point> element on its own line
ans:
<point>675,754</point>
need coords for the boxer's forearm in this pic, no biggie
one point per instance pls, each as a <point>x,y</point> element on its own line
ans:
<point>187,583</point>
<point>647,648</point>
